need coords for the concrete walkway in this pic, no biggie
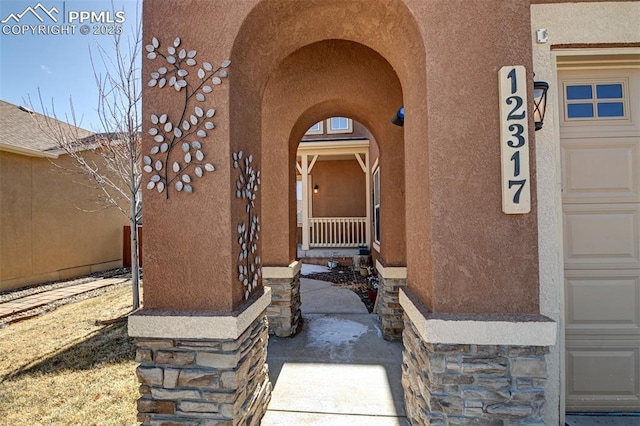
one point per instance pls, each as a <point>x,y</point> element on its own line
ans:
<point>37,300</point>
<point>338,370</point>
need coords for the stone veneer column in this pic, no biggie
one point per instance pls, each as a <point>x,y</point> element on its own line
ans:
<point>199,369</point>
<point>391,280</point>
<point>285,316</point>
<point>473,369</point>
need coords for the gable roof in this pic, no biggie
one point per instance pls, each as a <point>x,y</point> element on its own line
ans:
<point>19,132</point>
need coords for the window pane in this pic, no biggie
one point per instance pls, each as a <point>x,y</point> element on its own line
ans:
<point>339,123</point>
<point>376,219</point>
<point>609,91</point>
<point>579,92</point>
<point>610,109</point>
<point>314,128</point>
<point>580,110</point>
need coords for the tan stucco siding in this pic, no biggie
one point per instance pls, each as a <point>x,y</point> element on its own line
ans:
<point>341,189</point>
<point>52,227</point>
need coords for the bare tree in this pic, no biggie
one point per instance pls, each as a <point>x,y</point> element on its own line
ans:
<point>112,158</point>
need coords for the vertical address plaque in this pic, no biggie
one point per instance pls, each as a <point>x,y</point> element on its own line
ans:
<point>514,140</point>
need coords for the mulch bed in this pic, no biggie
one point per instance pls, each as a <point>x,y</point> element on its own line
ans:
<point>345,277</point>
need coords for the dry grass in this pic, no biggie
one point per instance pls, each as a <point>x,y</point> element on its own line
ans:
<point>63,369</point>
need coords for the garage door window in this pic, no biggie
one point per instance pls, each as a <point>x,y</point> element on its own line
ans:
<point>594,101</point>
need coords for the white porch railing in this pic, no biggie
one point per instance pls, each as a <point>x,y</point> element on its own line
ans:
<point>337,231</point>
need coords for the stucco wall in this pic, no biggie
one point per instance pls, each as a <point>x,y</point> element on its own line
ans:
<point>342,189</point>
<point>45,234</point>
<point>567,23</point>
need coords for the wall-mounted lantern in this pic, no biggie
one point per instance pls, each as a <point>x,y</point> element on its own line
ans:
<point>316,188</point>
<point>398,120</point>
<point>540,89</point>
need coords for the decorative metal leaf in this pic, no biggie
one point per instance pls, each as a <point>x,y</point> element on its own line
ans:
<point>162,82</point>
<point>177,132</point>
<point>171,59</point>
<point>181,83</point>
<point>201,133</point>
<point>162,70</point>
<point>188,189</point>
<point>185,147</point>
<point>154,150</point>
<point>211,112</point>
<point>201,74</point>
<point>182,54</point>
<point>196,145</point>
<point>155,75</point>
<point>183,72</point>
<point>225,64</point>
<point>216,80</point>
<point>199,112</point>
<point>171,50</point>
<point>151,185</point>
<point>164,147</point>
<point>176,42</point>
<point>187,158</point>
<point>198,171</point>
<point>160,186</point>
<point>154,119</point>
<point>207,66</point>
<point>186,125</point>
<point>158,165</point>
<point>155,178</point>
<point>176,166</point>
<point>149,48</point>
<point>155,42</point>
<point>152,83</point>
<point>153,131</point>
<point>199,155</point>
<point>209,125</point>
<point>163,118</point>
<point>223,73</point>
<point>191,62</point>
<point>151,55</point>
<point>191,54</point>
<point>147,168</point>
<point>146,159</point>
<point>207,89</point>
<point>194,119</point>
<point>200,97</point>
<point>168,127</point>
<point>179,186</point>
<point>158,138</point>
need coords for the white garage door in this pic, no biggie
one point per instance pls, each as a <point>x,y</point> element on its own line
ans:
<point>600,143</point>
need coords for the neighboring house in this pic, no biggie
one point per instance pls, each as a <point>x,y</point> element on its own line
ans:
<point>334,201</point>
<point>51,226</point>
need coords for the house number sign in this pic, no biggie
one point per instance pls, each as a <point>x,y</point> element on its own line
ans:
<point>514,140</point>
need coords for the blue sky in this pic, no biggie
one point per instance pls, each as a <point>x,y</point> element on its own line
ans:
<point>59,64</point>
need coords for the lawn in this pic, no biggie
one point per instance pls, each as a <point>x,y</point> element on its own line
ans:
<point>61,368</point>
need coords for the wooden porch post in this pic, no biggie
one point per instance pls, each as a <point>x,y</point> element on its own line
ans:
<point>305,202</point>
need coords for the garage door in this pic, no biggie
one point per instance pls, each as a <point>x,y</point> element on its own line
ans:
<point>600,149</point>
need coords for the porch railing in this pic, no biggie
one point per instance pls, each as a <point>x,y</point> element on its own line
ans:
<point>337,231</point>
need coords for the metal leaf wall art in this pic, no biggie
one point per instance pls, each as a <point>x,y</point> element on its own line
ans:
<point>249,266</point>
<point>181,71</point>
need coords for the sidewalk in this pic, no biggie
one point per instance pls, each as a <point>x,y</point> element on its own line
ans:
<point>34,301</point>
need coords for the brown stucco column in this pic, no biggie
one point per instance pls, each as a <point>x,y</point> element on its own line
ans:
<point>202,334</point>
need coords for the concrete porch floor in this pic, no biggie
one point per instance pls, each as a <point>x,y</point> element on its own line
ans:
<point>338,370</point>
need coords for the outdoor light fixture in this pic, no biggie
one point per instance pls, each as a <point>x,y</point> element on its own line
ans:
<point>540,89</point>
<point>398,120</point>
<point>315,189</point>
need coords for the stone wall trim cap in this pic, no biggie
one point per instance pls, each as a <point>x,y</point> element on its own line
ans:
<point>488,329</point>
<point>282,271</point>
<point>391,272</point>
<point>162,324</point>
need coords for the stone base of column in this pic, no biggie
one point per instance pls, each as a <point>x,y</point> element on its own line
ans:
<point>474,369</point>
<point>285,316</point>
<point>200,369</point>
<point>391,280</point>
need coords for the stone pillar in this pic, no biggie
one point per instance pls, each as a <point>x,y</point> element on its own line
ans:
<point>203,369</point>
<point>391,279</point>
<point>285,316</point>
<point>474,369</point>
